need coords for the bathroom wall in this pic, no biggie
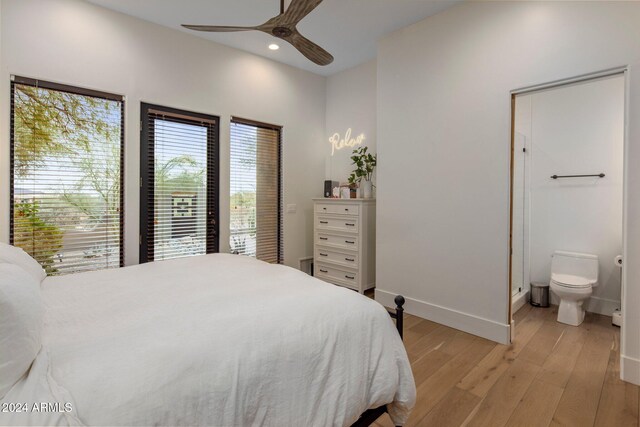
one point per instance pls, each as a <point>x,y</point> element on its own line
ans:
<point>351,104</point>
<point>576,129</point>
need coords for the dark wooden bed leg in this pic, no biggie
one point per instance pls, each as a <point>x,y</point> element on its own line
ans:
<point>399,300</point>
<point>371,415</point>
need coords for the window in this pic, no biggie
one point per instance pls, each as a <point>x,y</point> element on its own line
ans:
<point>66,175</point>
<point>256,190</point>
<point>179,183</point>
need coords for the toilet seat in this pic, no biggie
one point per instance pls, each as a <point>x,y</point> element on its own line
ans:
<point>571,281</point>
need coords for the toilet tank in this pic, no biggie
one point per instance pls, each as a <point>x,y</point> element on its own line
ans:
<point>576,264</point>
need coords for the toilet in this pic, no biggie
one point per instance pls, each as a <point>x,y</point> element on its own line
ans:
<point>573,277</point>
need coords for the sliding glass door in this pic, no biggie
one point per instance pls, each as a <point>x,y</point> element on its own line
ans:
<point>179,183</point>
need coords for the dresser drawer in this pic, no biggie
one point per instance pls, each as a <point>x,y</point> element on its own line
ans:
<point>349,225</point>
<point>324,254</point>
<point>342,242</point>
<point>338,208</point>
<point>336,275</point>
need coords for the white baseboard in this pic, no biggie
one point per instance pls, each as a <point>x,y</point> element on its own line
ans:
<point>602,306</point>
<point>484,328</point>
<point>630,369</point>
<point>595,305</point>
<point>519,300</point>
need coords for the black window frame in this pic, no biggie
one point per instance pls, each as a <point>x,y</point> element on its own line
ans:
<point>75,90</point>
<point>147,190</point>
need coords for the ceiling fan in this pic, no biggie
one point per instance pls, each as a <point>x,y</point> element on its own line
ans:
<point>283,26</point>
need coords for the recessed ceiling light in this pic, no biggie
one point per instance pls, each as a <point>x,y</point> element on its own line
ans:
<point>274,46</point>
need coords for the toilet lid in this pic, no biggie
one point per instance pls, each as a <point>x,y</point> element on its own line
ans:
<point>571,281</point>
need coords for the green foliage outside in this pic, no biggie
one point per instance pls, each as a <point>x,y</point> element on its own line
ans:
<point>169,177</point>
<point>245,202</point>
<point>53,123</point>
<point>243,218</point>
<point>43,241</point>
<point>54,128</point>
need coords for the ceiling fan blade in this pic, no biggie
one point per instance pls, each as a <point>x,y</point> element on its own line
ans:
<point>309,49</point>
<point>297,10</point>
<point>217,28</point>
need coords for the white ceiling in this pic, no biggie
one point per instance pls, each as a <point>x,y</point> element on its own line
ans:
<point>348,29</point>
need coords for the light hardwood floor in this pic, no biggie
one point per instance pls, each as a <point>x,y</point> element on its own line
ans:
<point>552,374</point>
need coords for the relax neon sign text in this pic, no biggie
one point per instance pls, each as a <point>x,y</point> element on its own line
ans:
<point>347,141</point>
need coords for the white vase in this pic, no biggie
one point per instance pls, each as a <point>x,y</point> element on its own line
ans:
<point>366,189</point>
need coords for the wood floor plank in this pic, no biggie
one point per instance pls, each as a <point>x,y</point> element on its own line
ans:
<point>599,321</point>
<point>502,399</point>
<point>522,313</point>
<point>410,320</point>
<point>539,348</point>
<point>434,388</point>
<point>620,401</point>
<point>551,313</point>
<point>537,406</point>
<point>579,401</point>
<point>429,342</point>
<point>424,341</point>
<point>411,335</point>
<point>428,365</point>
<point>457,343</point>
<point>424,327</point>
<point>484,375</point>
<point>452,409</point>
<point>410,338</point>
<point>487,372</point>
<point>558,366</point>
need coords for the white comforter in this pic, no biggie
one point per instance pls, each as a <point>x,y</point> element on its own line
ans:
<point>219,340</point>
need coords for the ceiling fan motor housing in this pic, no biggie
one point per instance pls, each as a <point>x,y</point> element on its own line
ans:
<point>281,32</point>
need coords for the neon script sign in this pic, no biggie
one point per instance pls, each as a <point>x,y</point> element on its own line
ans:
<point>347,141</point>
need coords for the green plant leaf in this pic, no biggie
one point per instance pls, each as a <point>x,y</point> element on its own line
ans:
<point>365,164</point>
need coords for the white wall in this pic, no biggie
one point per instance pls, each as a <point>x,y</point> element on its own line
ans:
<point>77,43</point>
<point>351,104</point>
<point>576,129</point>
<point>444,130</point>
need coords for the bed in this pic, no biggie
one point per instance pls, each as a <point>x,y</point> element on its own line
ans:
<point>220,340</point>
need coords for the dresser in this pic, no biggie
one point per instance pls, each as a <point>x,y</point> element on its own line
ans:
<point>344,241</point>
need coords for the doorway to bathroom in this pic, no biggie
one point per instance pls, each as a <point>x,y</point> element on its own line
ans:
<point>567,172</point>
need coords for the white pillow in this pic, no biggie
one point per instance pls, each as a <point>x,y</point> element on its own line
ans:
<point>14,255</point>
<point>21,317</point>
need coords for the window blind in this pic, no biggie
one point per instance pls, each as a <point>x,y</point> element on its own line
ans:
<point>179,152</point>
<point>256,190</point>
<point>66,175</point>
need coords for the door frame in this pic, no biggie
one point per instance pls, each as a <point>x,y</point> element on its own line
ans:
<point>213,174</point>
<point>623,70</point>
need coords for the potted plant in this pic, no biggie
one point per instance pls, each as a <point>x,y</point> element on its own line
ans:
<point>365,164</point>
